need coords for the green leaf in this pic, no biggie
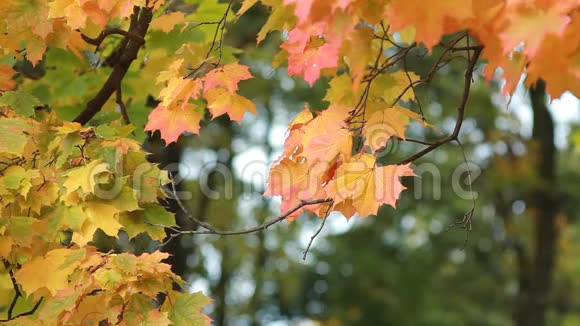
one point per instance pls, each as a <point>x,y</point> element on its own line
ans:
<point>63,301</point>
<point>138,222</point>
<point>187,309</point>
<point>13,135</point>
<point>22,103</point>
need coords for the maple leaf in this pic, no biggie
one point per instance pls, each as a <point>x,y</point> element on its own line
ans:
<point>340,91</point>
<point>99,215</point>
<point>328,147</point>
<point>84,177</point>
<point>555,66</point>
<point>140,221</point>
<point>531,26</point>
<point>328,120</point>
<point>168,21</point>
<point>227,76</point>
<point>367,185</point>
<point>246,4</point>
<point>386,123</point>
<point>310,61</point>
<point>428,17</point>
<point>22,103</point>
<point>301,119</point>
<point>14,135</point>
<point>19,179</point>
<point>186,309</point>
<point>295,182</point>
<point>390,86</point>
<point>301,9</point>
<point>138,312</point>
<point>280,19</point>
<point>172,123</point>
<point>56,266</point>
<point>360,38</point>
<point>6,81</point>
<point>221,101</point>
<point>76,17</point>
<point>64,300</point>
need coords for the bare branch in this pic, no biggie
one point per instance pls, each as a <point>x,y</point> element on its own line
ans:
<point>466,222</point>
<point>305,253</point>
<point>122,106</point>
<point>257,228</point>
<point>460,111</point>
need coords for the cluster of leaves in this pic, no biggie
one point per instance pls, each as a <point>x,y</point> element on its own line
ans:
<point>59,183</point>
<point>364,48</point>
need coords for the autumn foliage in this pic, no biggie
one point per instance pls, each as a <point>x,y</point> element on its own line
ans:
<point>62,181</point>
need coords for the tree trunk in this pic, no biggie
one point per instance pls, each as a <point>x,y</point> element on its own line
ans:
<point>536,280</point>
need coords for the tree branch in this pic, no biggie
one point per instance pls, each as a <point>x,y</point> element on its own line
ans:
<point>140,20</point>
<point>17,294</point>
<point>112,31</point>
<point>256,228</point>
<point>460,110</point>
<point>317,231</point>
<point>122,106</point>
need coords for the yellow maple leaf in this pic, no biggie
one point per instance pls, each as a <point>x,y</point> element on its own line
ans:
<point>84,177</point>
<point>167,22</point>
<point>50,271</point>
<point>385,124</point>
<point>100,215</point>
<point>221,101</point>
<point>366,185</point>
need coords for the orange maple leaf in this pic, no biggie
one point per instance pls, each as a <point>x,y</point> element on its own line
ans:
<point>6,81</point>
<point>173,122</point>
<point>295,182</point>
<point>430,18</point>
<point>227,76</point>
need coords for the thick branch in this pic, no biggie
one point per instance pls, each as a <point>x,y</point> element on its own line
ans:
<point>113,31</point>
<point>140,20</point>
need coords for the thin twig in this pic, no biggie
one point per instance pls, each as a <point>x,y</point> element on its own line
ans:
<point>413,88</point>
<point>185,210</point>
<point>257,228</point>
<point>122,106</point>
<point>305,253</point>
<point>411,140</point>
<point>466,222</point>
<point>436,66</point>
<point>221,25</point>
<point>460,111</point>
